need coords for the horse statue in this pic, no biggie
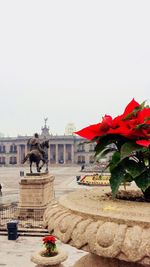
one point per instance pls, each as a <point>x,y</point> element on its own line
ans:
<point>36,156</point>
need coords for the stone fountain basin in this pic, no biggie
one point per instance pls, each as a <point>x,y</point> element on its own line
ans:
<point>109,228</point>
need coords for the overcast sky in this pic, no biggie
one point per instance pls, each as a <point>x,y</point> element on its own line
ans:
<point>71,61</point>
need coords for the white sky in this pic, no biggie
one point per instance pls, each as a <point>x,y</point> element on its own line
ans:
<point>71,61</point>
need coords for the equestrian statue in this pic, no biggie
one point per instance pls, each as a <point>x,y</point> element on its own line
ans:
<point>37,153</point>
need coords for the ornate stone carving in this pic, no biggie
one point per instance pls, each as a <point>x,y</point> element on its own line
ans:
<point>107,228</point>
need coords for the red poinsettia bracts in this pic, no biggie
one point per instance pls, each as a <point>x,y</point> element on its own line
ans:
<point>130,107</point>
<point>145,143</point>
<point>90,132</point>
<point>49,239</point>
<point>133,124</point>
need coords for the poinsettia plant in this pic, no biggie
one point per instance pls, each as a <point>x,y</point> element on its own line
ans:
<point>128,136</point>
<point>50,245</point>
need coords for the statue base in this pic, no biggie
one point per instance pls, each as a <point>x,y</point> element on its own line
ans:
<point>36,192</point>
<point>40,174</point>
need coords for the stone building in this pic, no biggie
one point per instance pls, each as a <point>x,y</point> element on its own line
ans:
<point>64,149</point>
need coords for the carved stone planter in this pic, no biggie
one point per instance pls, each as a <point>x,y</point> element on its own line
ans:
<point>49,261</point>
<point>116,233</point>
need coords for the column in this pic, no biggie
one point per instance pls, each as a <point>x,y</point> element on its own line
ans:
<point>64,154</point>
<point>21,153</point>
<point>72,154</point>
<point>7,149</point>
<point>18,155</point>
<point>56,154</point>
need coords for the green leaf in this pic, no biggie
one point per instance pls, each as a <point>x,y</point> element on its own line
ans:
<point>128,178</point>
<point>104,152</point>
<point>117,177</point>
<point>143,125</point>
<point>128,148</point>
<point>103,142</point>
<point>143,180</point>
<point>146,161</point>
<point>109,139</point>
<point>146,119</point>
<point>134,168</point>
<point>115,160</point>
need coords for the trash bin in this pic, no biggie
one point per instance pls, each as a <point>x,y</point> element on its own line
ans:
<point>78,178</point>
<point>12,228</point>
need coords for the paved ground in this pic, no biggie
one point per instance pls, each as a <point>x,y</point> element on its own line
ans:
<point>65,181</point>
<point>17,253</point>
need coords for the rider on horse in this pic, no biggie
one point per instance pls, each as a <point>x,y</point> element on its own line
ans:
<point>34,144</point>
<point>37,153</point>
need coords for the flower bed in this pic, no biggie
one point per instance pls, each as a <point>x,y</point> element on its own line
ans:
<point>95,179</point>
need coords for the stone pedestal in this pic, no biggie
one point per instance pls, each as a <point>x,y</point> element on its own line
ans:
<point>36,192</point>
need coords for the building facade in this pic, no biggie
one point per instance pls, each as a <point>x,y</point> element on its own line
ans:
<point>63,149</point>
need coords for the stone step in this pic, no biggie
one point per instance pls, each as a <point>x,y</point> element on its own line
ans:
<point>32,230</point>
<point>26,233</point>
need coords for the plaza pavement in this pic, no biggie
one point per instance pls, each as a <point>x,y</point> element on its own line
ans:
<point>17,253</point>
<point>65,181</point>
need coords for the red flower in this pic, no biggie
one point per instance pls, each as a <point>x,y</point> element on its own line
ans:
<point>106,123</point>
<point>145,143</point>
<point>109,125</point>
<point>90,132</point>
<point>144,115</point>
<point>49,238</point>
<point>130,107</point>
<point>134,124</point>
<point>98,129</point>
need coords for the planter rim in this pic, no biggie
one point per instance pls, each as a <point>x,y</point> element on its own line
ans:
<point>47,261</point>
<point>91,203</point>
